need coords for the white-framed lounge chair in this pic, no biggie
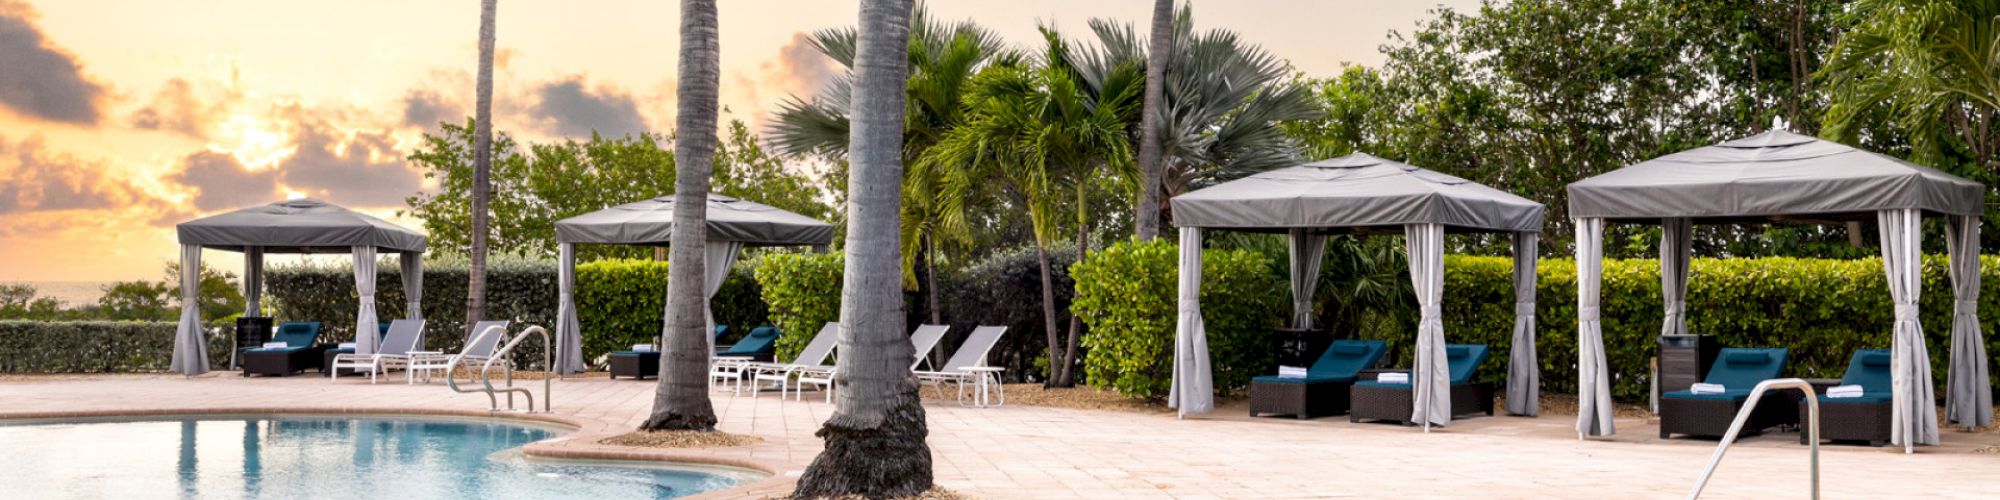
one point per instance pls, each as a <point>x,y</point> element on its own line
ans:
<point>393,353</point>
<point>814,355</point>
<point>968,364</point>
<point>821,377</point>
<point>478,348</point>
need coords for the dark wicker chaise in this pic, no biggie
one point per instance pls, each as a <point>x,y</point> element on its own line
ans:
<point>298,354</point>
<point>1737,370</point>
<point>1324,389</point>
<point>1372,400</point>
<point>1864,418</point>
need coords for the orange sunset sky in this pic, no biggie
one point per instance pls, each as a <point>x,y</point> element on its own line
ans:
<point>120,118</point>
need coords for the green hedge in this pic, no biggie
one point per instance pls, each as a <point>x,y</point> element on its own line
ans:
<point>802,293</point>
<point>620,302</point>
<point>1126,294</point>
<point>1821,309</point>
<point>99,346</point>
<point>1005,289</point>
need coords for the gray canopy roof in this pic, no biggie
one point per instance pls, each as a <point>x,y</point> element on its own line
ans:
<point>1768,176</point>
<point>1355,191</point>
<point>298,226</point>
<point>651,222</point>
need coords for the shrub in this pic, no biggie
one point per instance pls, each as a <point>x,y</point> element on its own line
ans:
<point>101,346</point>
<point>1005,289</point>
<point>802,293</point>
<point>1127,295</point>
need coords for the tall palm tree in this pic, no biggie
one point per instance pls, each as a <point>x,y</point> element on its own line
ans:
<point>1926,66</point>
<point>482,165</point>
<point>875,439</point>
<point>681,400</point>
<point>1146,219</point>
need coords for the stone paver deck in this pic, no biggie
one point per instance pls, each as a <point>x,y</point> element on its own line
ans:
<point>1035,452</point>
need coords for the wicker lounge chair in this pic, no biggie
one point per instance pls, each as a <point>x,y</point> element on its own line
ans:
<point>1864,418</point>
<point>1737,370</point>
<point>1372,400</point>
<point>1324,389</point>
<point>299,353</point>
<point>393,352</point>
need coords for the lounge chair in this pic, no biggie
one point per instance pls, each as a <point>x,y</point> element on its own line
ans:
<point>759,345</point>
<point>1862,418</point>
<point>1375,400</point>
<point>1324,389</point>
<point>814,355</point>
<point>299,353</point>
<point>821,377</point>
<point>326,359</point>
<point>478,348</point>
<point>968,365</point>
<point>393,352</point>
<point>1737,370</point>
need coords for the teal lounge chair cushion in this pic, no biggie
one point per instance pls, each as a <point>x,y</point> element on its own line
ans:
<point>297,336</point>
<point>1401,386</point>
<point>1866,398</point>
<point>1743,368</point>
<point>1869,368</point>
<point>1346,359</point>
<point>1726,395</point>
<point>1309,379</point>
<point>762,340</point>
<point>1464,360</point>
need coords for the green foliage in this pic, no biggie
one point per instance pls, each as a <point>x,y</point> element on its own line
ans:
<point>802,292</point>
<point>100,346</point>
<point>1005,289</point>
<point>1821,309</point>
<point>219,294</point>
<point>138,301</point>
<point>1126,294</point>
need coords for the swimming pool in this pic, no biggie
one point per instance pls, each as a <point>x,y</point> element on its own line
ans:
<point>317,457</point>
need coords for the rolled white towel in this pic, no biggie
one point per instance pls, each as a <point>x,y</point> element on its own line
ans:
<point>642,347</point>
<point>1393,378</point>
<point>1845,391</point>
<point>346,345</point>
<point>275,345</point>
<point>1291,372</point>
<point>1706,389</point>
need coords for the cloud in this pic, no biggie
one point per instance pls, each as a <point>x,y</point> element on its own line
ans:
<point>426,108</point>
<point>357,169</point>
<point>800,68</point>
<point>569,108</point>
<point>180,107</point>
<point>33,179</point>
<point>220,181</point>
<point>39,79</point>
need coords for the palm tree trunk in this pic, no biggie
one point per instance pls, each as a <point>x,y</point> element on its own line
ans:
<point>875,438</point>
<point>1049,315</point>
<point>1146,221</point>
<point>482,166</point>
<point>681,399</point>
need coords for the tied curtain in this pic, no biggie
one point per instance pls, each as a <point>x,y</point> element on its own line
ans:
<point>412,264</point>
<point>364,284</point>
<point>1524,392</point>
<point>1968,393</point>
<point>190,346</point>
<point>1913,419</point>
<point>569,339</point>
<point>1593,416</point>
<point>1193,390</point>
<point>1430,376</point>
<point>1306,251</point>
<point>717,258</point>
<point>1676,246</point>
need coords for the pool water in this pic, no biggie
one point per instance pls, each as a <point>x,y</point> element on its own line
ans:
<point>310,457</point>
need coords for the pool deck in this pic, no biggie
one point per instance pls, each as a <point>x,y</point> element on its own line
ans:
<point>1037,452</point>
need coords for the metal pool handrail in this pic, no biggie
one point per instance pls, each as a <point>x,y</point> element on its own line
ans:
<point>1812,429</point>
<point>548,356</point>
<point>452,366</point>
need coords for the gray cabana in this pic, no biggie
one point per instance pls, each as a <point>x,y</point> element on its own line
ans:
<point>302,226</point>
<point>1360,194</point>
<point>1782,177</point>
<point>732,225</point>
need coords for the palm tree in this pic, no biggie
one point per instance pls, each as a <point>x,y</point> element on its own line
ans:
<point>681,400</point>
<point>942,59</point>
<point>1050,131</point>
<point>1927,67</point>
<point>1146,219</point>
<point>482,165</point>
<point>875,439</point>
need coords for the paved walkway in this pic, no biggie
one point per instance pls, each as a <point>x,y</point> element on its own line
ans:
<point>1035,452</point>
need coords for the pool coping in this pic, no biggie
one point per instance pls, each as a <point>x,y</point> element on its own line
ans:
<point>580,443</point>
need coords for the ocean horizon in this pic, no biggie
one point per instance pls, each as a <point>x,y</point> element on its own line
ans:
<point>71,293</point>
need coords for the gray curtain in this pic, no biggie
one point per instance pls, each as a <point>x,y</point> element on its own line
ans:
<point>1675,247</point>
<point>1306,250</point>
<point>717,259</point>
<point>1524,377</point>
<point>1593,416</point>
<point>1968,393</point>
<point>569,333</point>
<point>364,285</point>
<point>1193,389</point>
<point>1914,418</point>
<point>413,288</point>
<point>253,281</point>
<point>190,346</point>
<point>1430,375</point>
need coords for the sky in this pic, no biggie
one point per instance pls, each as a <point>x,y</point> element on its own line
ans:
<point>120,118</point>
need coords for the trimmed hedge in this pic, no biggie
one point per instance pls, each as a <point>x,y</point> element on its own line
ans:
<point>1821,309</point>
<point>1127,295</point>
<point>100,346</point>
<point>801,293</point>
<point>619,302</point>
